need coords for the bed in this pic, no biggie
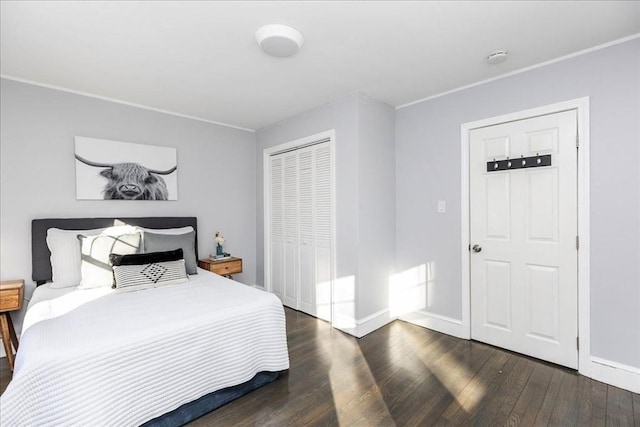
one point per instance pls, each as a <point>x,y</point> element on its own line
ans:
<point>159,356</point>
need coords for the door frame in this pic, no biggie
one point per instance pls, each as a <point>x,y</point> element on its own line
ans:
<point>581,105</point>
<point>266,203</point>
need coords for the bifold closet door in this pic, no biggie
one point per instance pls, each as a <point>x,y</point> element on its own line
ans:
<point>314,226</point>
<point>284,228</point>
<point>301,221</point>
<point>322,222</point>
<point>306,248</point>
<point>290,187</point>
<point>276,234</point>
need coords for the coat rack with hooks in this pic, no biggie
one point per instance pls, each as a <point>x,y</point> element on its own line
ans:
<point>519,163</point>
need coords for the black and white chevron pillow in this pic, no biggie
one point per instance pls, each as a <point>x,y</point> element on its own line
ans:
<point>150,270</point>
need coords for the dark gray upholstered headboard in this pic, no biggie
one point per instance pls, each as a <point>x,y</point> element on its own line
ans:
<point>41,256</point>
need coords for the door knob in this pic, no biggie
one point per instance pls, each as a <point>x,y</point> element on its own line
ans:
<point>476,248</point>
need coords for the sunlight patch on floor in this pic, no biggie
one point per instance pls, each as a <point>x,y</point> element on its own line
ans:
<point>467,390</point>
<point>356,395</point>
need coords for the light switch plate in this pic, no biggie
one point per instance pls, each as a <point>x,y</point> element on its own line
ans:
<point>442,206</point>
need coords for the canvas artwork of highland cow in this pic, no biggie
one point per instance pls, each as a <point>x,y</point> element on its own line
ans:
<point>114,170</point>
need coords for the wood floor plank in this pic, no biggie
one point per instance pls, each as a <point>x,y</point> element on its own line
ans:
<point>453,372</point>
<point>565,411</point>
<point>424,391</point>
<point>550,398</point>
<point>592,402</point>
<point>471,397</point>
<point>498,390</point>
<point>5,374</point>
<point>405,375</point>
<point>526,408</point>
<point>512,393</point>
<point>619,407</point>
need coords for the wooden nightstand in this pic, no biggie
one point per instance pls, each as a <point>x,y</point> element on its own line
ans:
<point>223,267</point>
<point>11,296</point>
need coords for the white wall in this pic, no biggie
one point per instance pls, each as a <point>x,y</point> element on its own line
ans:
<point>427,170</point>
<point>216,171</point>
<point>376,206</point>
<point>364,171</point>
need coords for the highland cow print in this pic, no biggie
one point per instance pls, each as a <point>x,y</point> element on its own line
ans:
<point>112,170</point>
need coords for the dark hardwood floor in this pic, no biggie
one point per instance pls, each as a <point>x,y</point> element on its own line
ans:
<point>405,375</point>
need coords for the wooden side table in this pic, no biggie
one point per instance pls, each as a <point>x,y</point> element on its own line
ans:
<point>223,267</point>
<point>11,296</point>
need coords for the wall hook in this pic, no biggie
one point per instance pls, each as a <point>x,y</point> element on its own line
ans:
<point>524,163</point>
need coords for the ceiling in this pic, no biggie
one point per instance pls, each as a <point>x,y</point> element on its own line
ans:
<point>200,59</point>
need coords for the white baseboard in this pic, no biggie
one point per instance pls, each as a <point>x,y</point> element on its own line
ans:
<point>439,323</point>
<point>375,321</point>
<point>362,327</point>
<point>615,374</point>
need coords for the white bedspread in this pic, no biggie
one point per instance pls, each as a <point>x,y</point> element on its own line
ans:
<point>90,358</point>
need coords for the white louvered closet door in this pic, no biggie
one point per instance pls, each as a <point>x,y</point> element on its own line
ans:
<point>306,228</point>
<point>323,212</point>
<point>277,227</point>
<point>301,229</point>
<point>291,230</point>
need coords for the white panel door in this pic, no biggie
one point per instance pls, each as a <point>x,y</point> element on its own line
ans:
<point>523,225</point>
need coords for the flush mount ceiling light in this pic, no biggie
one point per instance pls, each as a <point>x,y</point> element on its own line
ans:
<point>497,57</point>
<point>279,40</point>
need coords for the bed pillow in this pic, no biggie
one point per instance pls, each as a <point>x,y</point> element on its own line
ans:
<point>95,266</point>
<point>148,270</point>
<point>154,242</point>
<point>145,257</point>
<point>65,255</point>
<point>178,230</point>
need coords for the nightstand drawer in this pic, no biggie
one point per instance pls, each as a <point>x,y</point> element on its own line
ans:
<point>11,292</point>
<point>227,268</point>
<point>10,300</point>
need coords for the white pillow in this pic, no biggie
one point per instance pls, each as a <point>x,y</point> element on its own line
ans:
<point>65,255</point>
<point>65,249</point>
<point>179,230</point>
<point>151,275</point>
<point>95,266</point>
<point>118,230</point>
